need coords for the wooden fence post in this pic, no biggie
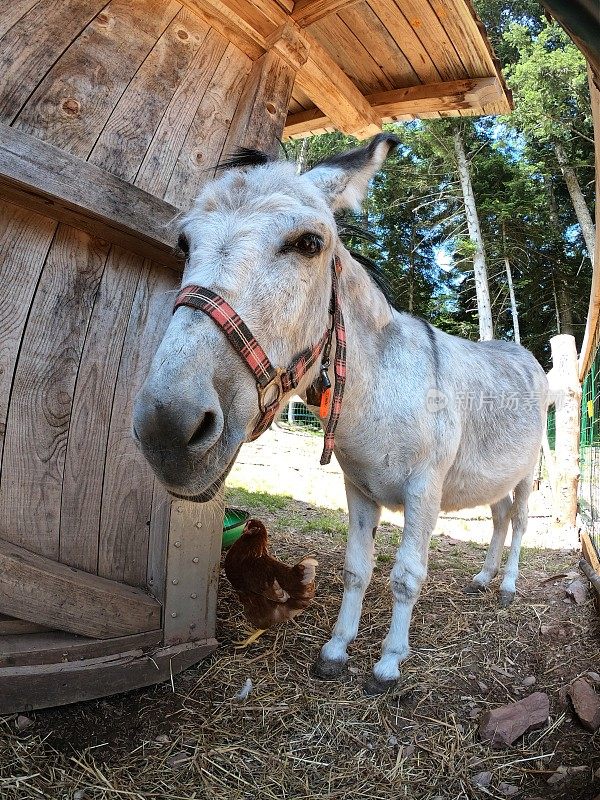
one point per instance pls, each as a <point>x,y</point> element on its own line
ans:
<point>565,389</point>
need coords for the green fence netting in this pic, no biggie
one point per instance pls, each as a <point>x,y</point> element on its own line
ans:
<point>589,452</point>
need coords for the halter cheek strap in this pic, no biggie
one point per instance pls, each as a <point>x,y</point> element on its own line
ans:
<point>273,383</point>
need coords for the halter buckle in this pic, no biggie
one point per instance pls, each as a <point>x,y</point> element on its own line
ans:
<point>275,385</point>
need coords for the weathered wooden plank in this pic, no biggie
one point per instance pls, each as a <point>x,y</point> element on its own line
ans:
<point>591,325</point>
<point>259,118</point>
<point>589,552</point>
<point>428,28</point>
<point>16,628</point>
<point>320,77</point>
<point>460,28</point>
<point>72,104</point>
<point>91,410</point>
<point>128,479</point>
<point>57,647</point>
<point>446,96</point>
<point>25,239</point>
<point>44,178</point>
<point>127,135</point>
<point>160,517</point>
<point>379,44</point>
<point>31,46</point>
<point>308,11</point>
<point>206,136</point>
<point>40,686</point>
<point>193,565</point>
<point>421,59</point>
<point>42,393</point>
<point>162,154</point>
<point>216,14</point>
<point>351,54</point>
<point>414,101</point>
<point>336,95</point>
<point>12,13</point>
<point>35,588</point>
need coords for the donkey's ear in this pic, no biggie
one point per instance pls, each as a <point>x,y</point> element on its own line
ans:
<point>344,178</point>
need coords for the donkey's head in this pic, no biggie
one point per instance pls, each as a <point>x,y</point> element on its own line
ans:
<point>262,238</point>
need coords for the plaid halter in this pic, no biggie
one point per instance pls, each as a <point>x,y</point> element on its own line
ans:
<point>272,382</point>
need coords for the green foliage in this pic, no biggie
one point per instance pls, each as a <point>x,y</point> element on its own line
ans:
<point>549,84</point>
<point>416,211</point>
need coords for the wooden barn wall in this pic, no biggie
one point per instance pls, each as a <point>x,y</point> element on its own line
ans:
<point>147,91</point>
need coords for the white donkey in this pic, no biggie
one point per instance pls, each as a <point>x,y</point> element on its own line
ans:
<point>428,421</point>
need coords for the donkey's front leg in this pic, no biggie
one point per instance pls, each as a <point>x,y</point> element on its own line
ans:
<point>421,509</point>
<point>358,568</point>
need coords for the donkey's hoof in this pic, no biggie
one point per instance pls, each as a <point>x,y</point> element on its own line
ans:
<point>474,588</point>
<point>373,686</point>
<point>506,598</point>
<point>327,670</point>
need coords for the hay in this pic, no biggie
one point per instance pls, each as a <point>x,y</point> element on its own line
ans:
<point>296,738</point>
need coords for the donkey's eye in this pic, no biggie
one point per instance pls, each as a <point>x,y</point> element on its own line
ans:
<point>309,244</point>
<point>183,244</point>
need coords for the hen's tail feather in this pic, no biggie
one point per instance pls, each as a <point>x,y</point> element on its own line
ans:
<point>309,571</point>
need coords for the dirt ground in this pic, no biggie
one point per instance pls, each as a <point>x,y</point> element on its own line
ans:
<point>299,739</point>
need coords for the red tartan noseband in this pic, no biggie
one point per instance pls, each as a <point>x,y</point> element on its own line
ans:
<point>273,383</point>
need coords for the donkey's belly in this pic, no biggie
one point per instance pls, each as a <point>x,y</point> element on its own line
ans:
<point>467,489</point>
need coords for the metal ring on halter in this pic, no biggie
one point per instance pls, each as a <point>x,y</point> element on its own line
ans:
<point>274,383</point>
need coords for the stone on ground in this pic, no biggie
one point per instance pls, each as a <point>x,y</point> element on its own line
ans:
<point>503,726</point>
<point>586,703</point>
<point>577,591</point>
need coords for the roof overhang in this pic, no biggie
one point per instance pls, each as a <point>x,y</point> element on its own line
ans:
<point>360,63</point>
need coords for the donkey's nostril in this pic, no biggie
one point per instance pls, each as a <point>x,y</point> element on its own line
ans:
<point>205,429</point>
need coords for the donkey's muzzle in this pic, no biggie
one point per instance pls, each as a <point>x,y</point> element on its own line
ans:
<point>175,436</point>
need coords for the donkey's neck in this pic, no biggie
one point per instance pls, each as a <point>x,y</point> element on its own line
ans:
<point>367,315</point>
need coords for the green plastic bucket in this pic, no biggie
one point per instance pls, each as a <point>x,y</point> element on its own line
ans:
<point>233,525</point>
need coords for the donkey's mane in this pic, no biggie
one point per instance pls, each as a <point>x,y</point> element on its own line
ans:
<point>348,231</point>
<point>245,157</point>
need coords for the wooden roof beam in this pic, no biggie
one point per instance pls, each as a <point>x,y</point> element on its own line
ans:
<point>308,11</point>
<point>470,93</point>
<point>265,25</point>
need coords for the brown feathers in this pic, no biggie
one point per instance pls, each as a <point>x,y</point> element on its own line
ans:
<point>270,591</point>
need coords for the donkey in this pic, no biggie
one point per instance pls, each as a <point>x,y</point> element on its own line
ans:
<point>428,421</point>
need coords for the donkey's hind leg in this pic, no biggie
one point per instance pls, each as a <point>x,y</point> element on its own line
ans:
<point>501,517</point>
<point>519,513</point>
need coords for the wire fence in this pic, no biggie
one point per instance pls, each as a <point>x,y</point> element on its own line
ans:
<point>297,417</point>
<point>589,452</point>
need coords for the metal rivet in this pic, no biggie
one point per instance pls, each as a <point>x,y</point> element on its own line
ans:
<point>193,595</point>
<point>177,544</point>
<point>173,614</point>
<point>175,581</point>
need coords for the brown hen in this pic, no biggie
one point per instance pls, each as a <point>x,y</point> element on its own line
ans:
<point>270,591</point>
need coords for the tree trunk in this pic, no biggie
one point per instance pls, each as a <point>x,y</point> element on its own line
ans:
<point>513,302</point>
<point>565,390</point>
<point>562,296</point>
<point>511,290</point>
<point>302,156</point>
<point>582,212</point>
<point>556,308</point>
<point>486,328</point>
